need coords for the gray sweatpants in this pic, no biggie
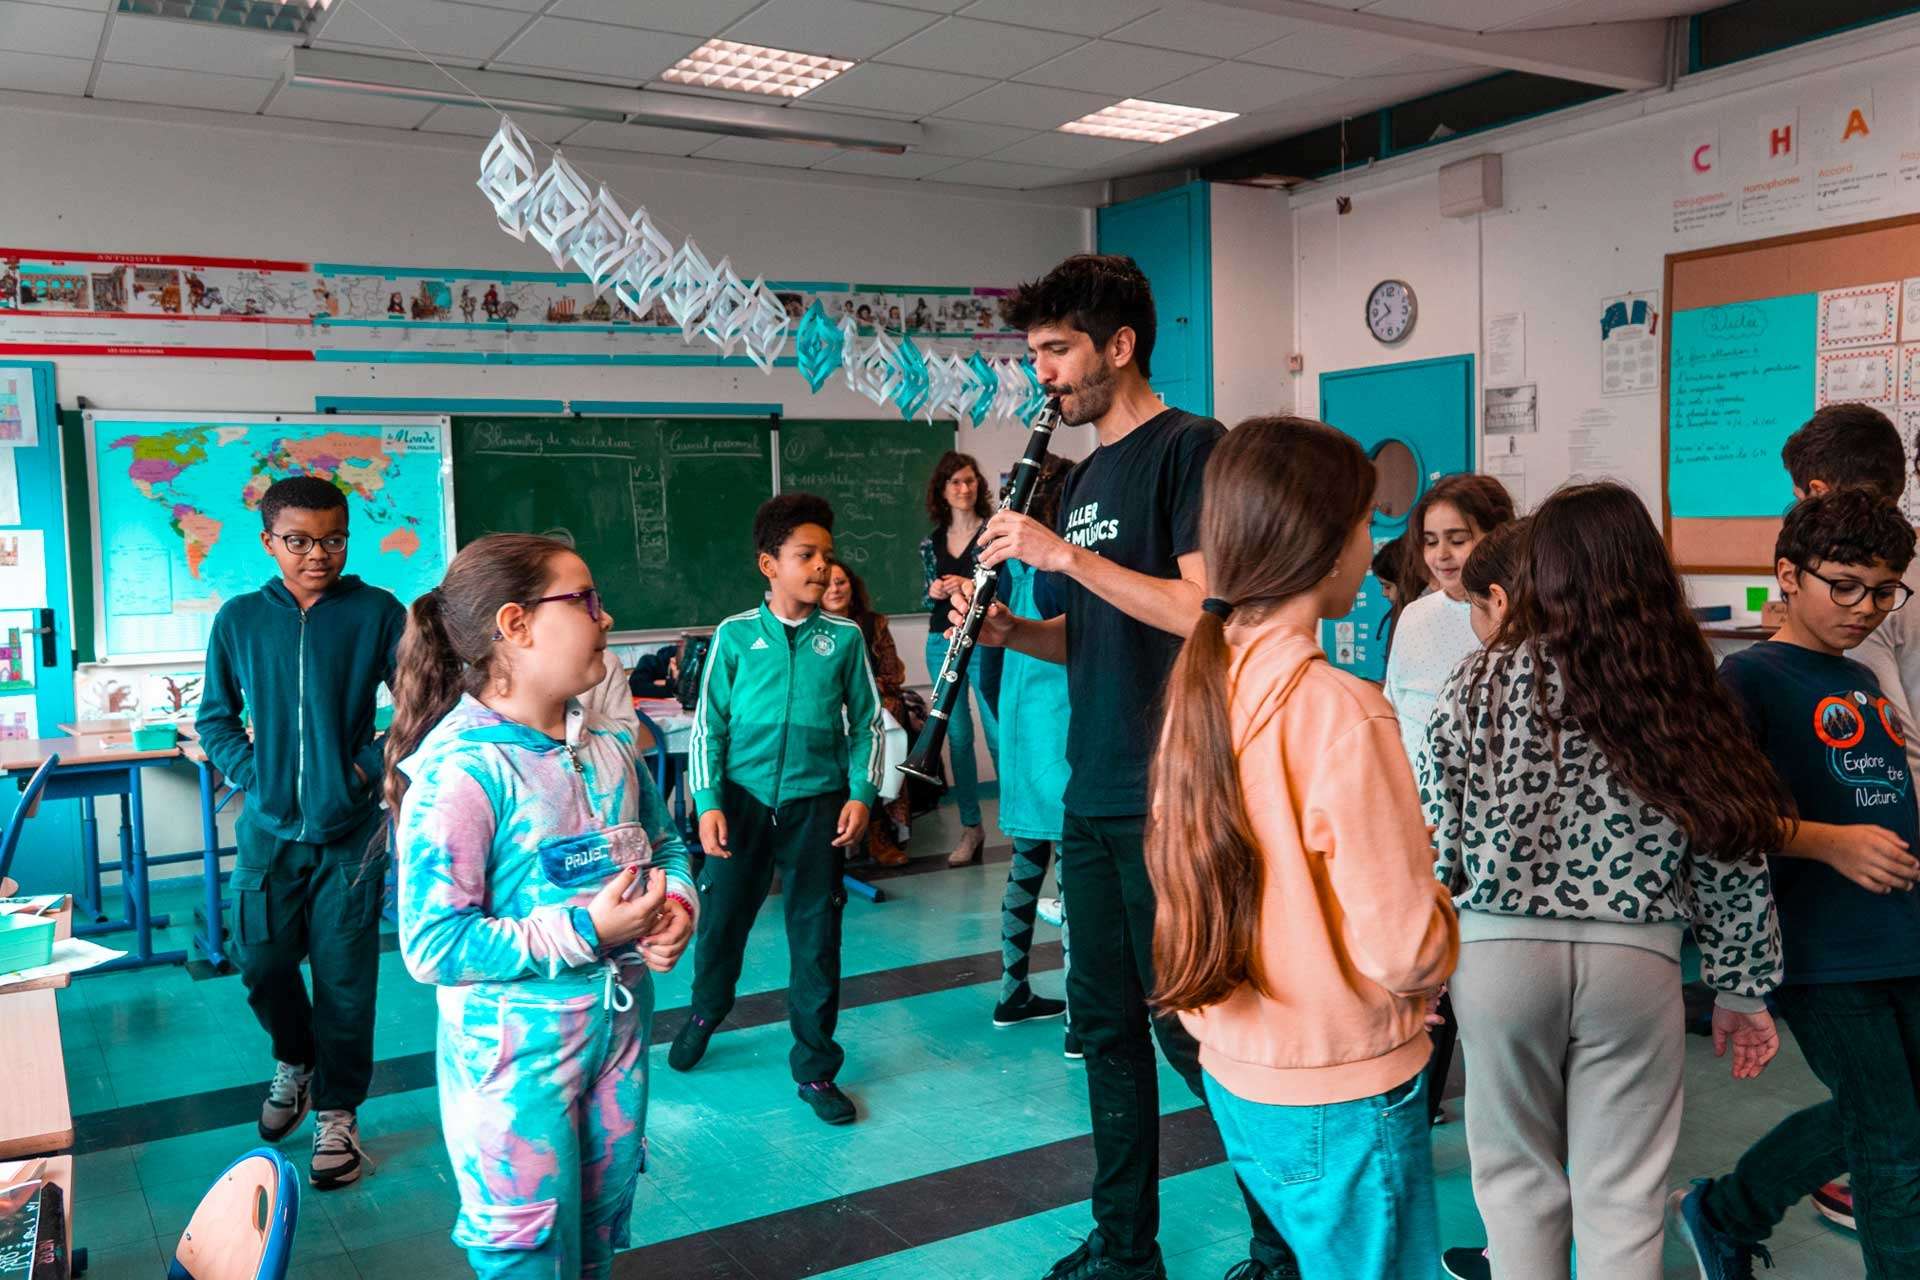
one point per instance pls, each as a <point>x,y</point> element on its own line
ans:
<point>1574,1057</point>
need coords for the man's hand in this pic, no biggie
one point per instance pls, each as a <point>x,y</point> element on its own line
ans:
<point>1012,536</point>
<point>994,628</point>
<point>713,834</point>
<point>1872,857</point>
<point>853,824</point>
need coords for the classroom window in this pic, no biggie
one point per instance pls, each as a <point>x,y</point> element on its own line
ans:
<point>1753,27</point>
<point>1484,104</point>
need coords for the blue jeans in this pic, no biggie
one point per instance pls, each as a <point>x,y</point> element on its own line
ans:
<point>1349,1184</point>
<point>966,774</point>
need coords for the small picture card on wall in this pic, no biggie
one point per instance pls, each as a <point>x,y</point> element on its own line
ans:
<point>1910,373</point>
<point>1910,311</point>
<point>1857,377</point>
<point>1863,316</point>
<point>1909,420</point>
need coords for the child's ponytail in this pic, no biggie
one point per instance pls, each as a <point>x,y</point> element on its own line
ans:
<point>1282,497</point>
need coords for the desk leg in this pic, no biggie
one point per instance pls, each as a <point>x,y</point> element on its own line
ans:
<point>140,917</point>
<point>89,895</point>
<point>211,941</point>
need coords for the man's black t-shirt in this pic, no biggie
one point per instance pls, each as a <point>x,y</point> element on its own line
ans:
<point>1137,503</point>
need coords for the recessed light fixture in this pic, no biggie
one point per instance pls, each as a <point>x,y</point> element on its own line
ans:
<point>1136,120</point>
<point>286,17</point>
<point>752,68</point>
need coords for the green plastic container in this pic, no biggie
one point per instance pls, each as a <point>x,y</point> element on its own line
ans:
<point>26,942</point>
<point>155,737</point>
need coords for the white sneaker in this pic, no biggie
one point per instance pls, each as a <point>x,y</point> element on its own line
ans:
<point>337,1157</point>
<point>1051,910</point>
<point>286,1104</point>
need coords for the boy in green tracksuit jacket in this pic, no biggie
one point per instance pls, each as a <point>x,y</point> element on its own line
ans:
<point>306,655</point>
<point>785,763</point>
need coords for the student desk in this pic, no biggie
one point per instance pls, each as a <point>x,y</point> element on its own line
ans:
<point>93,765</point>
<point>35,1116</point>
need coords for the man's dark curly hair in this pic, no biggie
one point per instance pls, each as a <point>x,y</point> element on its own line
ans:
<point>1845,526</point>
<point>1096,293</point>
<point>778,517</point>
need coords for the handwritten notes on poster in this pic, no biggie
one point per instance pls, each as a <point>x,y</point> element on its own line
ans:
<point>1741,380</point>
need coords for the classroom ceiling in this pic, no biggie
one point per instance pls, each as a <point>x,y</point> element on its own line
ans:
<point>988,81</point>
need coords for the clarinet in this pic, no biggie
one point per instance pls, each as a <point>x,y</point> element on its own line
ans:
<point>951,683</point>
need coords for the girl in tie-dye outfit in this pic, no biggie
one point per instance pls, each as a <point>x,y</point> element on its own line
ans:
<point>540,880</point>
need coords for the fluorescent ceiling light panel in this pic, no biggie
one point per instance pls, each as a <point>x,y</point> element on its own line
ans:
<point>752,68</point>
<point>1136,120</point>
<point>287,17</point>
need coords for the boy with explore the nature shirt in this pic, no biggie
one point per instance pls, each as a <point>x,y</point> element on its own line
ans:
<point>1851,992</point>
<point>785,765</point>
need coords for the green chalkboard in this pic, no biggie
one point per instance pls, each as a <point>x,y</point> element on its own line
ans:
<point>875,475</point>
<point>660,508</point>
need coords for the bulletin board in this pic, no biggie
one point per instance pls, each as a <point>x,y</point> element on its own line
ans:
<point>1759,335</point>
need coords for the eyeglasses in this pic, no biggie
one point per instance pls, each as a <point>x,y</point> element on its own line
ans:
<point>299,543</point>
<point>1847,592</point>
<point>590,597</point>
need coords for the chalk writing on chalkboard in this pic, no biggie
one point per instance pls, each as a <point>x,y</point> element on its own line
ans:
<point>1741,379</point>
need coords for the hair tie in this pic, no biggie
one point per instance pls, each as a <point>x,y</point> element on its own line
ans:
<point>1217,607</point>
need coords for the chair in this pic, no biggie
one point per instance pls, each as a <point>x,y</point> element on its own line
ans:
<point>29,804</point>
<point>243,1229</point>
<point>652,741</point>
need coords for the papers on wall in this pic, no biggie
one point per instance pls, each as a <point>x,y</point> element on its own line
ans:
<point>9,489</point>
<point>1863,316</point>
<point>19,717</point>
<point>1511,470</point>
<point>1506,349</point>
<point>19,414</point>
<point>1629,347</point>
<point>1857,377</point>
<point>23,569</point>
<point>16,652</point>
<point>1512,409</point>
<point>1742,380</point>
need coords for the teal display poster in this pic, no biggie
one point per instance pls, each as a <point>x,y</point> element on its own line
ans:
<point>1740,381</point>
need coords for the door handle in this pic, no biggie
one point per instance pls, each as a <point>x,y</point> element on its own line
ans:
<point>49,657</point>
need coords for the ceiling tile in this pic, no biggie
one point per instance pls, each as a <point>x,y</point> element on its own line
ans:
<point>954,138</point>
<point>457,30</point>
<point>1081,17</point>
<point>1205,28</point>
<point>478,122</point>
<point>1332,52</point>
<point>44,73</point>
<point>39,28</point>
<point>792,155</point>
<point>625,54</point>
<point>1240,86</point>
<point>1067,150</point>
<point>1125,70</point>
<point>979,48</point>
<point>640,137</point>
<point>913,91</point>
<point>1467,15</point>
<point>185,46</point>
<point>836,28</point>
<point>1033,105</point>
<point>701,18</point>
<point>96,6</point>
<point>347,108</point>
<point>914,164</point>
<point>932,6</point>
<point>122,83</point>
<point>1570,13</point>
<point>1000,173</point>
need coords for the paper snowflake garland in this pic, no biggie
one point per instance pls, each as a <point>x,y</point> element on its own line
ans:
<point>850,350</point>
<point>950,389</point>
<point>875,373</point>
<point>506,177</point>
<point>642,273</point>
<point>1010,389</point>
<point>765,332</point>
<point>986,384</point>
<point>689,287</point>
<point>817,346</point>
<point>732,302</point>
<point>603,241</point>
<point>1036,398</point>
<point>557,209</point>
<point>912,365</point>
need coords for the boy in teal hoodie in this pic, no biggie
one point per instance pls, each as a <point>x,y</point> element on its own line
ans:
<point>785,763</point>
<point>305,655</point>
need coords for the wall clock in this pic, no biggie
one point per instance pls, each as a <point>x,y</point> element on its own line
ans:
<point>1391,309</point>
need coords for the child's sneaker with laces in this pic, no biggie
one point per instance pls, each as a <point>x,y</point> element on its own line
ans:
<point>287,1100</point>
<point>337,1157</point>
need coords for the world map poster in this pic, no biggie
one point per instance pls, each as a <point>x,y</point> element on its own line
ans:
<point>176,502</point>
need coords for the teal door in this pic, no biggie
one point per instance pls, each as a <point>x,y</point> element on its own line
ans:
<point>46,860</point>
<point>1168,235</point>
<point>1416,421</point>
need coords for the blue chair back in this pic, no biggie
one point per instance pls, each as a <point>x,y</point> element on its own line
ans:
<point>29,802</point>
<point>243,1229</point>
<point>658,751</point>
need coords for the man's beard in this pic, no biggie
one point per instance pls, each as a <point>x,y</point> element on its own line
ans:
<point>1092,396</point>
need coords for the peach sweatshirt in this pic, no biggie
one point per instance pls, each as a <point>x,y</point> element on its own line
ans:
<point>1353,925</point>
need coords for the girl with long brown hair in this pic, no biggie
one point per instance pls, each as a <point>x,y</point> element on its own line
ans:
<point>1594,792</point>
<point>1299,933</point>
<point>846,596</point>
<point>541,879</point>
<point>958,505</point>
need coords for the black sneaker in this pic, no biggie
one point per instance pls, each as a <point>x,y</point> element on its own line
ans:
<point>1089,1262</point>
<point>1026,1008</point>
<point>1467,1264</point>
<point>691,1044</point>
<point>1254,1269</point>
<point>1073,1049</point>
<point>828,1102</point>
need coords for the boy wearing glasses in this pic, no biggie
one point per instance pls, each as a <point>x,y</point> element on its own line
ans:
<point>785,763</point>
<point>1849,920</point>
<point>305,656</point>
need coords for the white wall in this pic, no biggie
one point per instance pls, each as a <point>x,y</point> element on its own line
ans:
<point>1587,214</point>
<point>161,180</point>
<point>1252,325</point>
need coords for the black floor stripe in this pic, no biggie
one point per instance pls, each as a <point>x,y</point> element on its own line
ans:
<point>851,1229</point>
<point>219,1108</point>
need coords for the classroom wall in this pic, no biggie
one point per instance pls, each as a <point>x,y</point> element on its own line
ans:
<point>1587,214</point>
<point>148,179</point>
<point>1252,302</point>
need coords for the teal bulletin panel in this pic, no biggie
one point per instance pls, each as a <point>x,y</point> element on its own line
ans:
<point>1740,381</point>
